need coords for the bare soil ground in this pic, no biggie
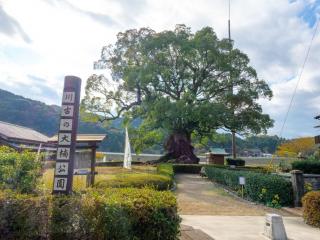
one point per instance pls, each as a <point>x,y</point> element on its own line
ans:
<point>199,196</point>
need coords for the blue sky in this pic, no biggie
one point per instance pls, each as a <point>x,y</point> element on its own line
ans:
<point>41,41</point>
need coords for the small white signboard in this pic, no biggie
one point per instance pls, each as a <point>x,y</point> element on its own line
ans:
<point>63,153</point>
<point>66,111</point>
<point>62,168</point>
<point>60,184</point>
<point>68,97</point>
<point>242,180</point>
<point>64,139</point>
<point>66,124</point>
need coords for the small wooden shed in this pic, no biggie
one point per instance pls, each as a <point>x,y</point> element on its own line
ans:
<point>86,142</point>
<point>216,156</point>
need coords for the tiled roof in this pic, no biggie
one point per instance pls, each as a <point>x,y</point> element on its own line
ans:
<point>10,131</point>
<point>83,138</point>
<point>218,151</point>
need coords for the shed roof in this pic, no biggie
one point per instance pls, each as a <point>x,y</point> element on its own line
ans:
<point>218,151</point>
<point>83,138</point>
<point>10,131</point>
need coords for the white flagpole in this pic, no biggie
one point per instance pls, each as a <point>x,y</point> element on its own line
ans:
<point>127,152</point>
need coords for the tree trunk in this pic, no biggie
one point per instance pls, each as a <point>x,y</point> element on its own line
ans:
<point>234,147</point>
<point>179,148</point>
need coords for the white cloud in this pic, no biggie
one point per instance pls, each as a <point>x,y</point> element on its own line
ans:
<point>66,36</point>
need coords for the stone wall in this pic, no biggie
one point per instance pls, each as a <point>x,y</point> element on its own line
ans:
<point>313,179</point>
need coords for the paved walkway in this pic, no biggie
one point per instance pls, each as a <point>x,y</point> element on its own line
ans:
<point>209,209</point>
<point>247,227</point>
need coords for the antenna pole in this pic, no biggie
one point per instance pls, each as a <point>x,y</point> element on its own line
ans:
<point>229,31</point>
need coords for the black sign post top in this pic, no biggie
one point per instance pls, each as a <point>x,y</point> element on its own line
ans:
<point>72,82</point>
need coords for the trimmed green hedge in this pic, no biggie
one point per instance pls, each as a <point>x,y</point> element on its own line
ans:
<point>307,166</point>
<point>110,214</point>
<point>311,208</point>
<point>272,190</point>
<point>195,168</point>
<point>165,169</point>
<point>137,180</point>
<point>236,162</point>
<point>187,168</point>
<point>116,163</point>
<point>162,180</point>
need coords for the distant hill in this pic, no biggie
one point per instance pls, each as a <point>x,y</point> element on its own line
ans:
<point>45,119</point>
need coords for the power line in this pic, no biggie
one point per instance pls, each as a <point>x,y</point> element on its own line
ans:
<point>299,79</point>
<point>295,89</point>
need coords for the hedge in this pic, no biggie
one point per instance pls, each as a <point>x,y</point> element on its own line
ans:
<point>272,190</point>
<point>311,208</point>
<point>137,180</point>
<point>165,169</point>
<point>196,168</point>
<point>187,168</point>
<point>110,214</point>
<point>307,166</point>
<point>161,180</point>
<point>116,163</point>
<point>235,162</point>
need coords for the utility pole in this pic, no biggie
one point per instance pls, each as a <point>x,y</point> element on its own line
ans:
<point>234,149</point>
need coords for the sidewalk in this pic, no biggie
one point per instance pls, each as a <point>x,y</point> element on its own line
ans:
<point>247,227</point>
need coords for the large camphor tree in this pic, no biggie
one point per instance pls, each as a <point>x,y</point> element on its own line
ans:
<point>176,82</point>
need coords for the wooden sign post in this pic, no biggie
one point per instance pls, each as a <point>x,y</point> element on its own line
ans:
<point>63,174</point>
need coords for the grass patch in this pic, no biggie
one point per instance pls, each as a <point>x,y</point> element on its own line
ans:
<point>138,176</point>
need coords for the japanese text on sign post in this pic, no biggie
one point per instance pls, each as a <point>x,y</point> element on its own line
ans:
<point>67,135</point>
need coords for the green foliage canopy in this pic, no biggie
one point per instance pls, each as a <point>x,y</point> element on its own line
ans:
<point>177,82</point>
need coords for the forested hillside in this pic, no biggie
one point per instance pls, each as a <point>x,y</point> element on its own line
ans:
<point>44,118</point>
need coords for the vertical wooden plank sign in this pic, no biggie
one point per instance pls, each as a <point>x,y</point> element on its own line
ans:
<point>63,174</point>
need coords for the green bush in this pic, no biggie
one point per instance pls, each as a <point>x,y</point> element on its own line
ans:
<point>188,168</point>
<point>196,168</point>
<point>235,162</point>
<point>165,169</point>
<point>116,163</point>
<point>109,214</point>
<point>23,216</point>
<point>307,166</point>
<point>269,189</point>
<point>137,180</point>
<point>311,208</point>
<point>19,171</point>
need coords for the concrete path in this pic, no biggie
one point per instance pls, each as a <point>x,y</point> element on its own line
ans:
<point>247,227</point>
<point>189,233</point>
<point>207,207</point>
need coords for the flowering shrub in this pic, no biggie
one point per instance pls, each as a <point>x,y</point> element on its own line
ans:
<point>272,190</point>
<point>311,208</point>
